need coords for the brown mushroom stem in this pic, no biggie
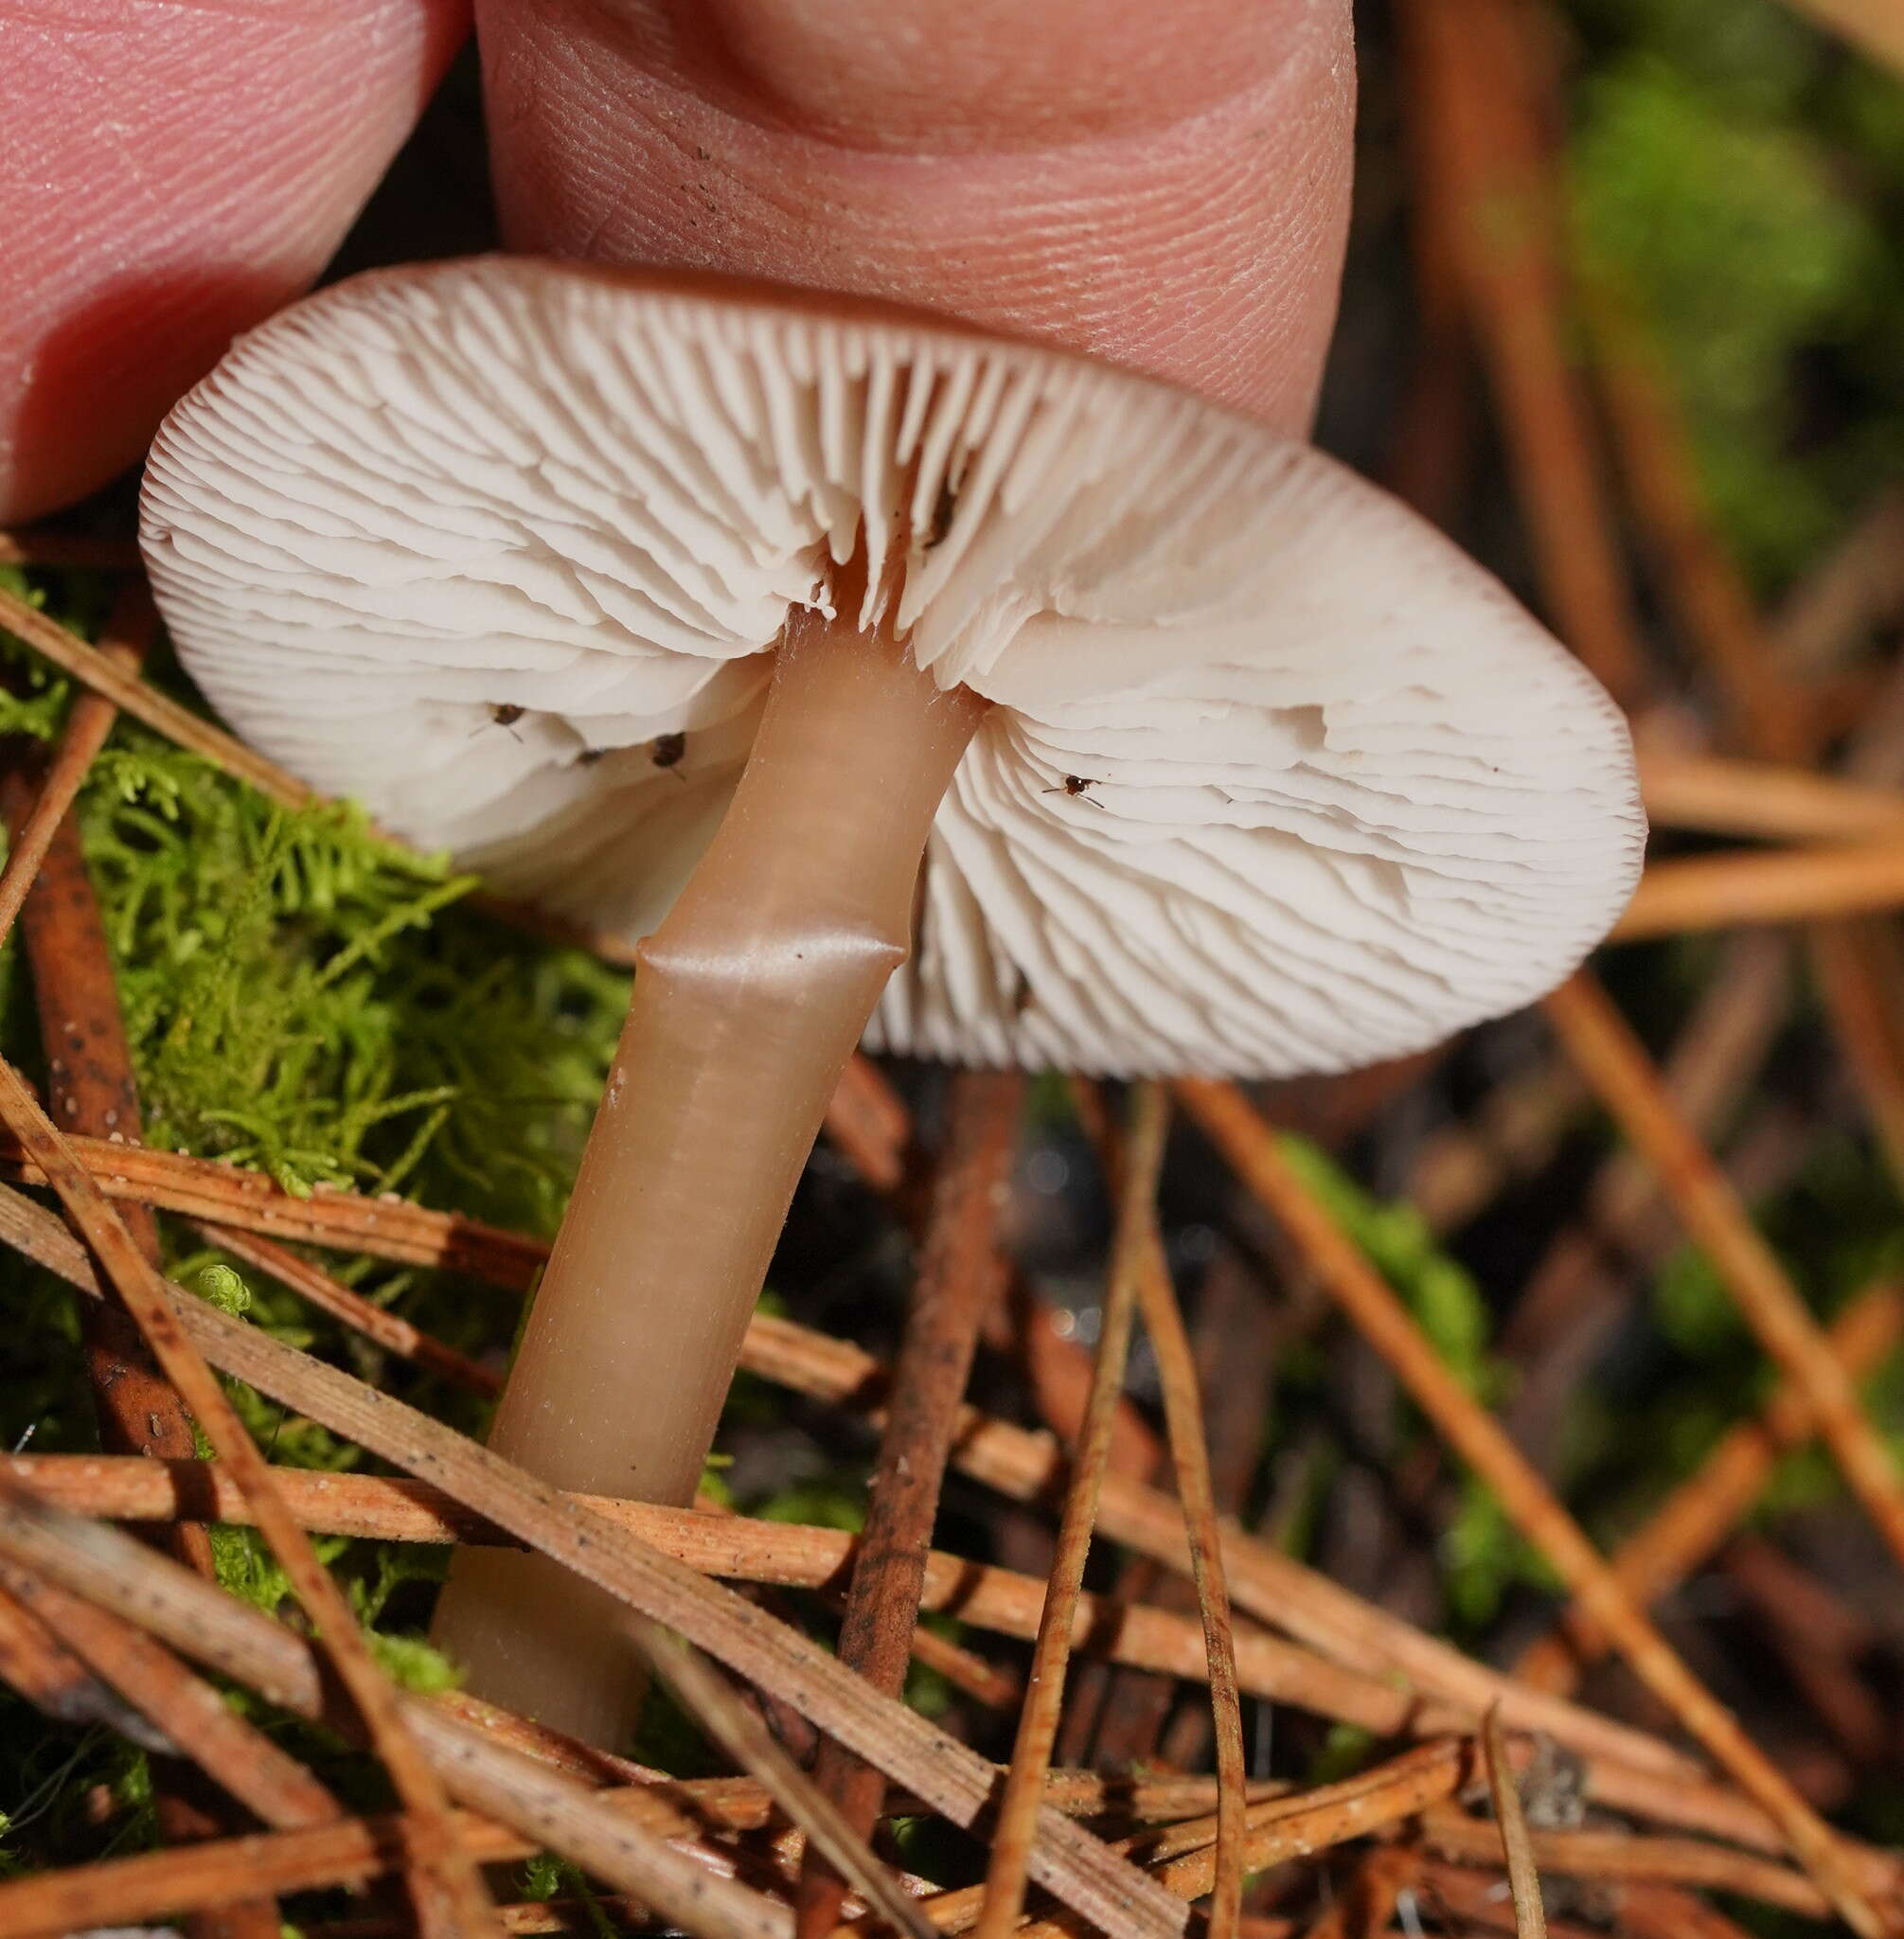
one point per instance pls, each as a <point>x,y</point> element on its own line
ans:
<point>748,1002</point>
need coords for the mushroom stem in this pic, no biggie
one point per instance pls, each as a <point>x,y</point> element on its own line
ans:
<point>748,1002</point>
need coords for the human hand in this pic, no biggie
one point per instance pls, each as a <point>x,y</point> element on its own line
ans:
<point>1164,185</point>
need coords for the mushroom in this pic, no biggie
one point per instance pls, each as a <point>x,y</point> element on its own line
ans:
<point>897,684</point>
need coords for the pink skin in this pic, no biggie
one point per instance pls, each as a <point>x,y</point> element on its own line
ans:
<point>1164,185</point>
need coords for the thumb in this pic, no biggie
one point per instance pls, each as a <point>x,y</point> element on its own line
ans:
<point>1166,187</point>
<point>168,175</point>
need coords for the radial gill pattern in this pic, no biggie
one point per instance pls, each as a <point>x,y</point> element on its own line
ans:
<point>1276,780</point>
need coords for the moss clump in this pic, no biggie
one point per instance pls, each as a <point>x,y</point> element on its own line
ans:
<point>304,997</point>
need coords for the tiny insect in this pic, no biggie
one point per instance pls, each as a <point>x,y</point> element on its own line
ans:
<point>1075,784</point>
<point>666,750</point>
<point>502,713</point>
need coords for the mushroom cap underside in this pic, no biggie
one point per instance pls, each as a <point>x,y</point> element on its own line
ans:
<point>1275,779</point>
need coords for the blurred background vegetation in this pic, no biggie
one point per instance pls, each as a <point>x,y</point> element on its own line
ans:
<point>302,999</point>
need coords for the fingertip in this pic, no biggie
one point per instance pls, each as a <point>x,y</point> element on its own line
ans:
<point>1167,187</point>
<point>173,175</point>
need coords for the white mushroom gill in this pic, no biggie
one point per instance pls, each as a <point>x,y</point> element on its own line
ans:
<point>1275,779</point>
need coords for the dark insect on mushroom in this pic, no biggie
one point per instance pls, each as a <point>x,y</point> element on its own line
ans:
<point>943,509</point>
<point>506,713</point>
<point>666,750</point>
<point>1077,784</point>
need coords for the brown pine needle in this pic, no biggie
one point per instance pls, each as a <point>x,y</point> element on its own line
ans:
<point>91,1085</point>
<point>1264,1582</point>
<point>1190,1451</point>
<point>103,675</point>
<point>395,1335</point>
<point>36,1664</point>
<point>1767,800</point>
<point>947,1775</point>
<point>959,1278</point>
<point>450,1894</point>
<point>1698,1515</point>
<point>128,632</point>
<point>1637,1772</point>
<point>1502,231</point>
<point>1251,1147</point>
<point>786,1555</point>
<point>1024,1465</point>
<point>1783,885</point>
<point>1612,1059</point>
<point>1622,1855</point>
<point>1015,1827</point>
<point>714,1705</point>
<point>1190,1456</point>
<point>1523,1880</point>
<point>545,1808</point>
<point>1181,1857</point>
<point>191,1715</point>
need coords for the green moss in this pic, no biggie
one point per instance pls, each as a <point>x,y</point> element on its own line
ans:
<point>1747,251</point>
<point>301,996</point>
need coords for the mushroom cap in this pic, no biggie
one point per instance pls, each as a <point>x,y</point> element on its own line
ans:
<point>1276,780</point>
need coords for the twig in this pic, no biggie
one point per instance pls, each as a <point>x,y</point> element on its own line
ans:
<point>751,1744</point>
<point>1530,1915</point>
<point>1610,1059</point>
<point>1692,1522</point>
<point>188,1712</point>
<point>946,1774</point>
<point>959,1276</point>
<point>449,1896</point>
<point>1014,1828</point>
<point>1795,885</point>
<point>1250,1146</point>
